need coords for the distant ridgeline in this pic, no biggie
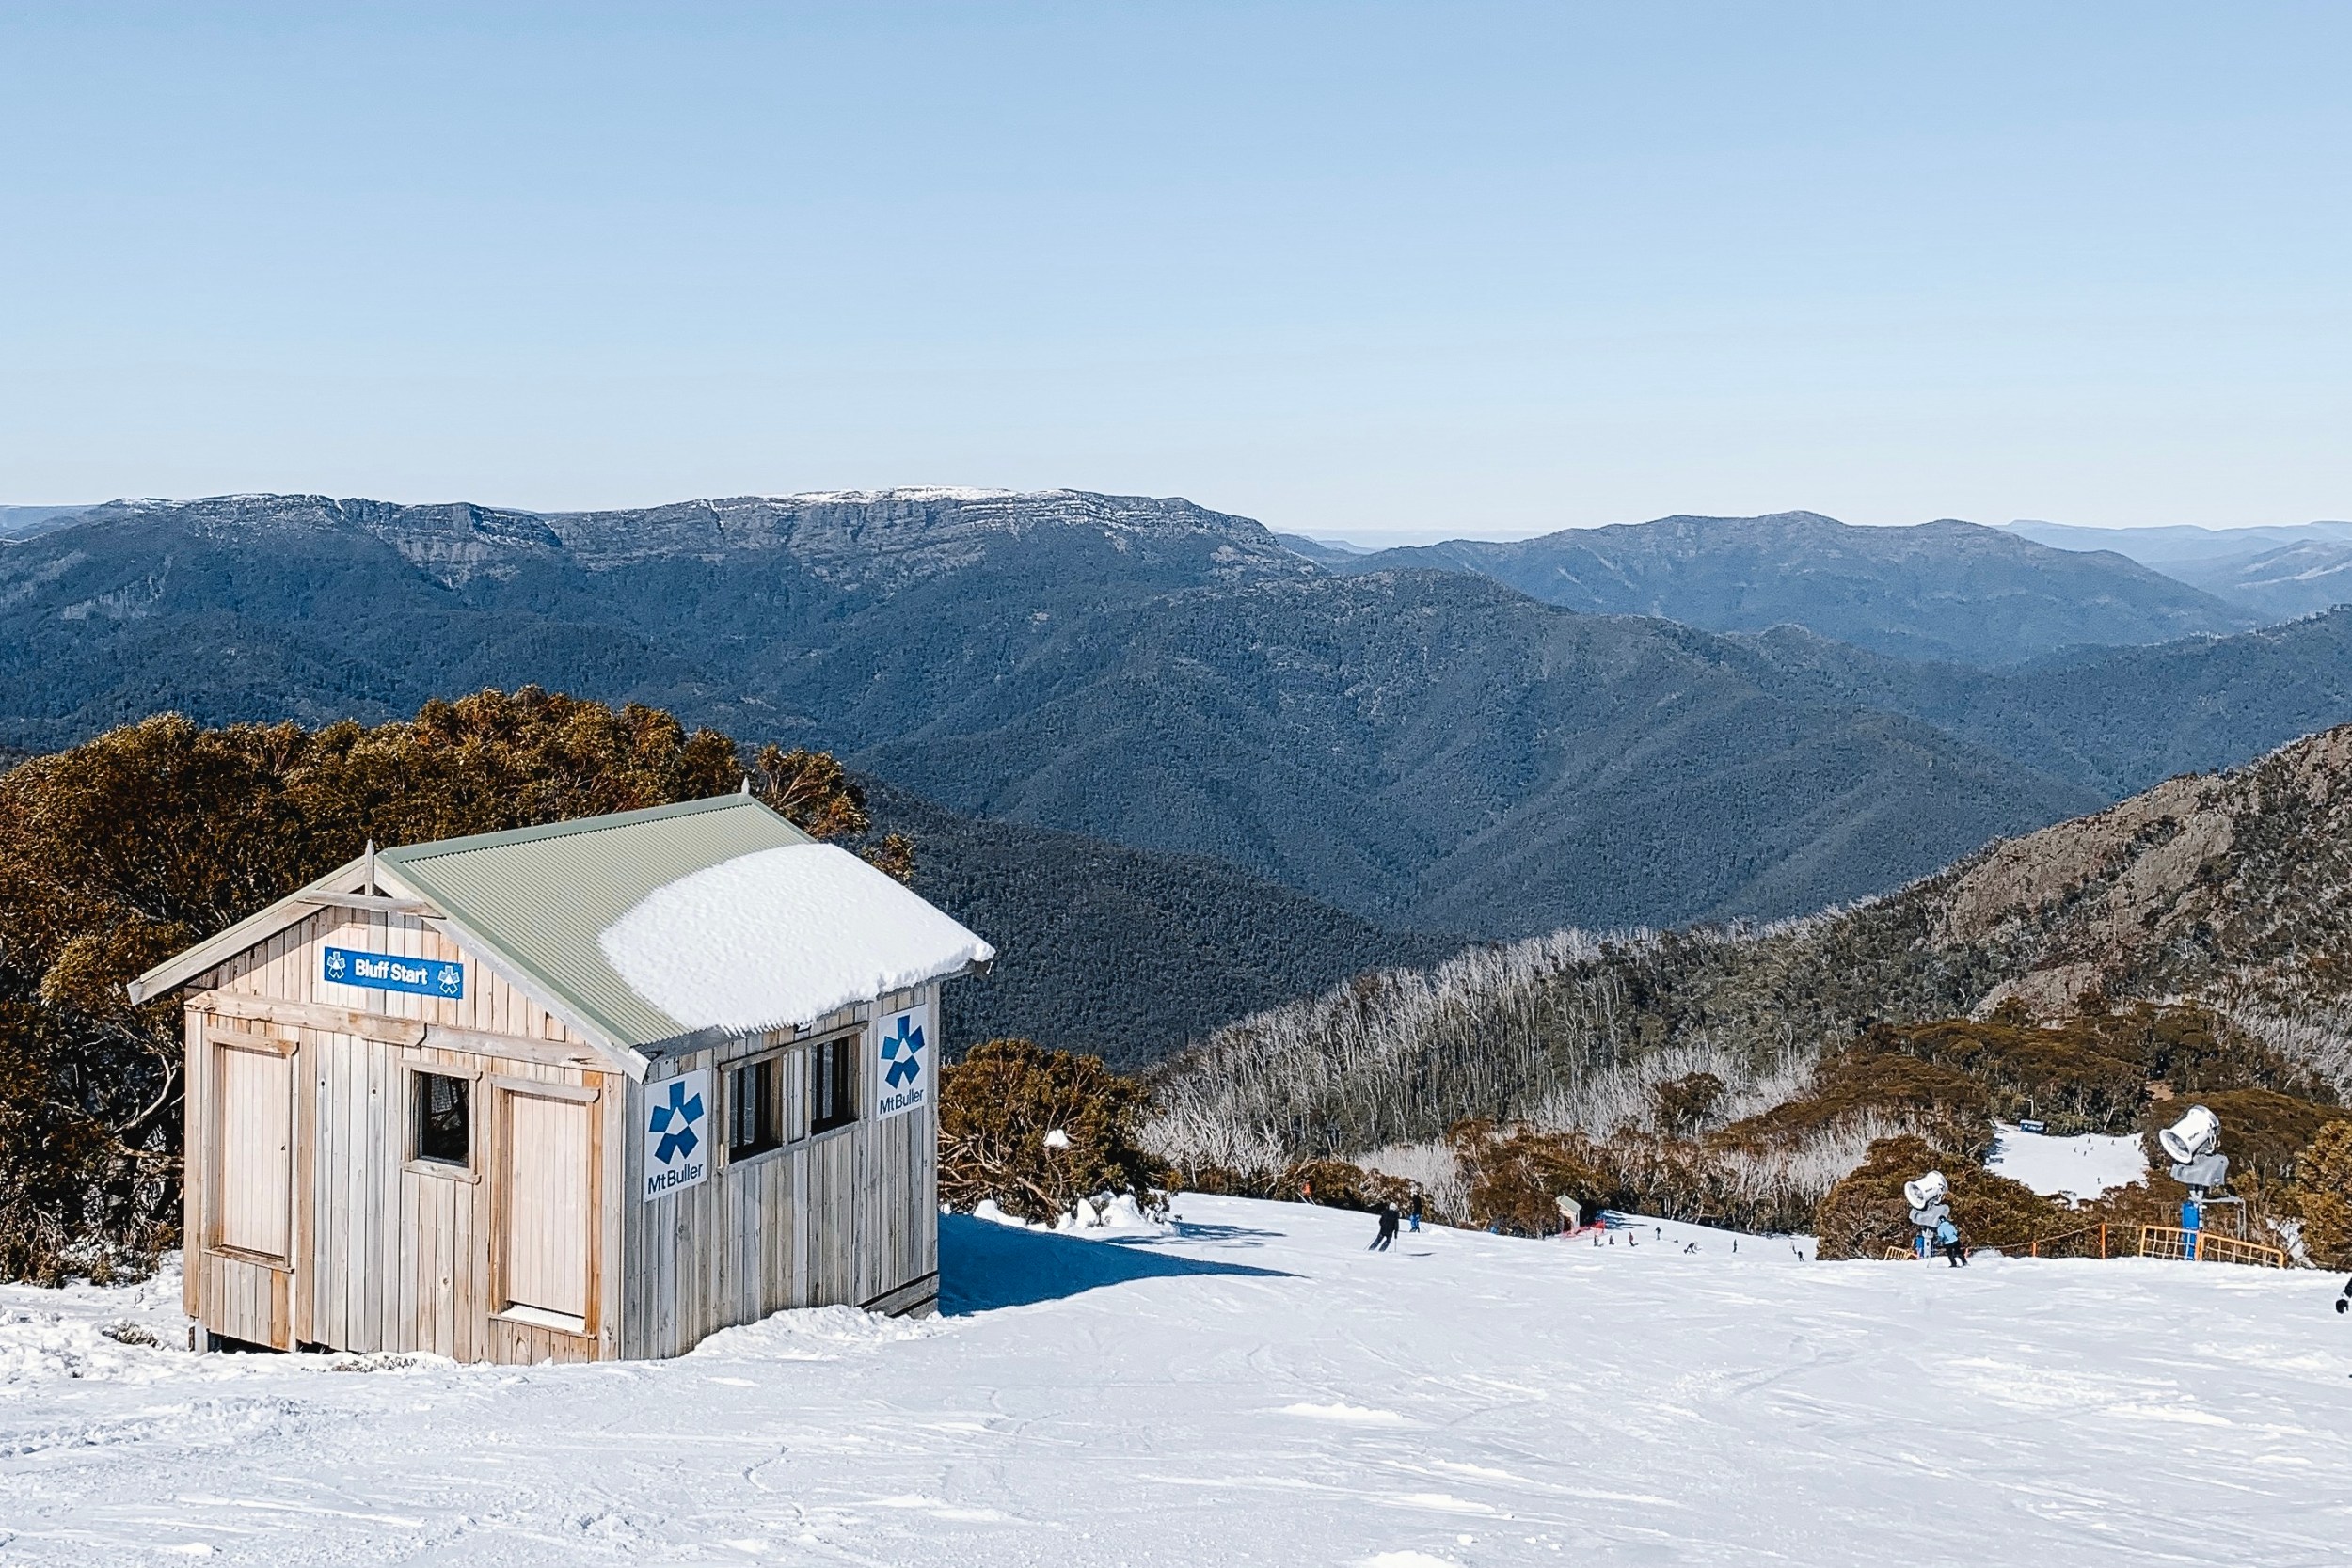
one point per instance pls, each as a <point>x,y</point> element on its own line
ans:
<point>1427,749</point>
<point>1947,591</point>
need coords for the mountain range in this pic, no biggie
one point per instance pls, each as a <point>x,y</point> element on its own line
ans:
<point>1428,749</point>
<point>1947,591</point>
<point>2273,571</point>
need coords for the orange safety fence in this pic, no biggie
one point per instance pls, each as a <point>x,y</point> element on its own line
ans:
<point>2204,1246</point>
<point>2088,1241</point>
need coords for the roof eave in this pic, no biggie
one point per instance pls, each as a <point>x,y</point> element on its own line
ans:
<point>261,926</point>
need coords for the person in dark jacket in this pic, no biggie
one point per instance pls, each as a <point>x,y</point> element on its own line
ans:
<point>1947,1241</point>
<point>1387,1229</point>
<point>1413,1215</point>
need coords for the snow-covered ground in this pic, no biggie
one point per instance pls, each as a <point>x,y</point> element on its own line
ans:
<point>2080,1168</point>
<point>1253,1388</point>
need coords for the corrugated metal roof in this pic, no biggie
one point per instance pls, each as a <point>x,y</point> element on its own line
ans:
<point>538,897</point>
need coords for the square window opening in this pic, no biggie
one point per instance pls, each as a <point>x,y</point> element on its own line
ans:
<point>443,1118</point>
<point>755,1124</point>
<point>833,1085</point>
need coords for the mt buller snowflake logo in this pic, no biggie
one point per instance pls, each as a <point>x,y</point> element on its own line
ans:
<point>335,963</point>
<point>451,978</point>
<point>902,1050</point>
<point>675,1122</point>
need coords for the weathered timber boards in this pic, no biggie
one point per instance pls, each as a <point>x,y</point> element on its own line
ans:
<point>288,968</point>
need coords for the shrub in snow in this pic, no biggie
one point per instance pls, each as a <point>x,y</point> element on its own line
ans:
<point>1518,1177</point>
<point>2324,1175</point>
<point>1340,1185</point>
<point>1865,1214</point>
<point>998,1107</point>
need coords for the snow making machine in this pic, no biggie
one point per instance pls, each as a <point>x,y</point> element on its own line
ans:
<point>1926,1196</point>
<point>2194,1146</point>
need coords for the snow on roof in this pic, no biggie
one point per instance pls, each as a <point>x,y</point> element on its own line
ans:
<point>780,938</point>
<point>2077,1168</point>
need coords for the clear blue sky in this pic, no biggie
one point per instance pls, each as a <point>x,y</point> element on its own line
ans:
<point>1355,270</point>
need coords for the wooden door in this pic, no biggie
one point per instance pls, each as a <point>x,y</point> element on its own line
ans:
<point>253,1205</point>
<point>547,1210</point>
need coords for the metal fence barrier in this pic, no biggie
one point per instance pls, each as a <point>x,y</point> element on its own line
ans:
<point>2202,1247</point>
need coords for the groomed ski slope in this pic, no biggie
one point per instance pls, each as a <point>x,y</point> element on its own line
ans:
<point>1254,1388</point>
<point>2081,1166</point>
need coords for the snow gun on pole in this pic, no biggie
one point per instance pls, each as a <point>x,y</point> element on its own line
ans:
<point>1926,1197</point>
<point>2194,1145</point>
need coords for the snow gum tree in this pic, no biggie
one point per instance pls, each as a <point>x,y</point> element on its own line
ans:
<point>118,852</point>
<point>2323,1174</point>
<point>1037,1129</point>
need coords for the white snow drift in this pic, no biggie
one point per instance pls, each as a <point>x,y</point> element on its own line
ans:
<point>1249,1387</point>
<point>782,937</point>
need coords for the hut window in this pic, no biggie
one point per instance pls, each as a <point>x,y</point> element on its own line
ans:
<point>443,1126</point>
<point>833,1085</point>
<point>753,1124</point>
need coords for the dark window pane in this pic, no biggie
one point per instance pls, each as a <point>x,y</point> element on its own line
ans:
<point>443,1127</point>
<point>751,1109</point>
<point>833,1092</point>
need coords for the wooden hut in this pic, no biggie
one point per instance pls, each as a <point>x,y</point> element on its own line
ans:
<point>580,1092</point>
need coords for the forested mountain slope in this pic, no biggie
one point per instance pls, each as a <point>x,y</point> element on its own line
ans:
<point>2114,720</point>
<point>1430,750</point>
<point>1121,953</point>
<point>2231,890</point>
<point>2275,572</point>
<point>1942,591</point>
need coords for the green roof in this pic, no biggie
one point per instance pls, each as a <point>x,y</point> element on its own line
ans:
<point>535,899</point>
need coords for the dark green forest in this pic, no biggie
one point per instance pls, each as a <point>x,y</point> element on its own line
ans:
<point>1430,750</point>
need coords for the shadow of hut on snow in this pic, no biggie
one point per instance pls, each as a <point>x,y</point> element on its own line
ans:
<point>984,1265</point>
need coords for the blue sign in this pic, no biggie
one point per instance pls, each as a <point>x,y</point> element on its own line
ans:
<point>444,977</point>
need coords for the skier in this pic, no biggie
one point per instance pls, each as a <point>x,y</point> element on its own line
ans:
<point>1412,1217</point>
<point>1387,1229</point>
<point>1948,1240</point>
<point>2344,1301</point>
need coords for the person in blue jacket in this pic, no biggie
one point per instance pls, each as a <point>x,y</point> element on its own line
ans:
<point>1948,1240</point>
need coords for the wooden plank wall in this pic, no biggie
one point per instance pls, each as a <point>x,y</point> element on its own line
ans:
<point>403,1249</point>
<point>288,967</point>
<point>842,1218</point>
<point>395,1256</point>
<point>390,1254</point>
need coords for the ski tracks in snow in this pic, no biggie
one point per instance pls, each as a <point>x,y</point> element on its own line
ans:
<point>1468,1401</point>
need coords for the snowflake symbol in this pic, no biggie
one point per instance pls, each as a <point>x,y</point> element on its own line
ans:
<point>683,1109</point>
<point>333,964</point>
<point>905,1069</point>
